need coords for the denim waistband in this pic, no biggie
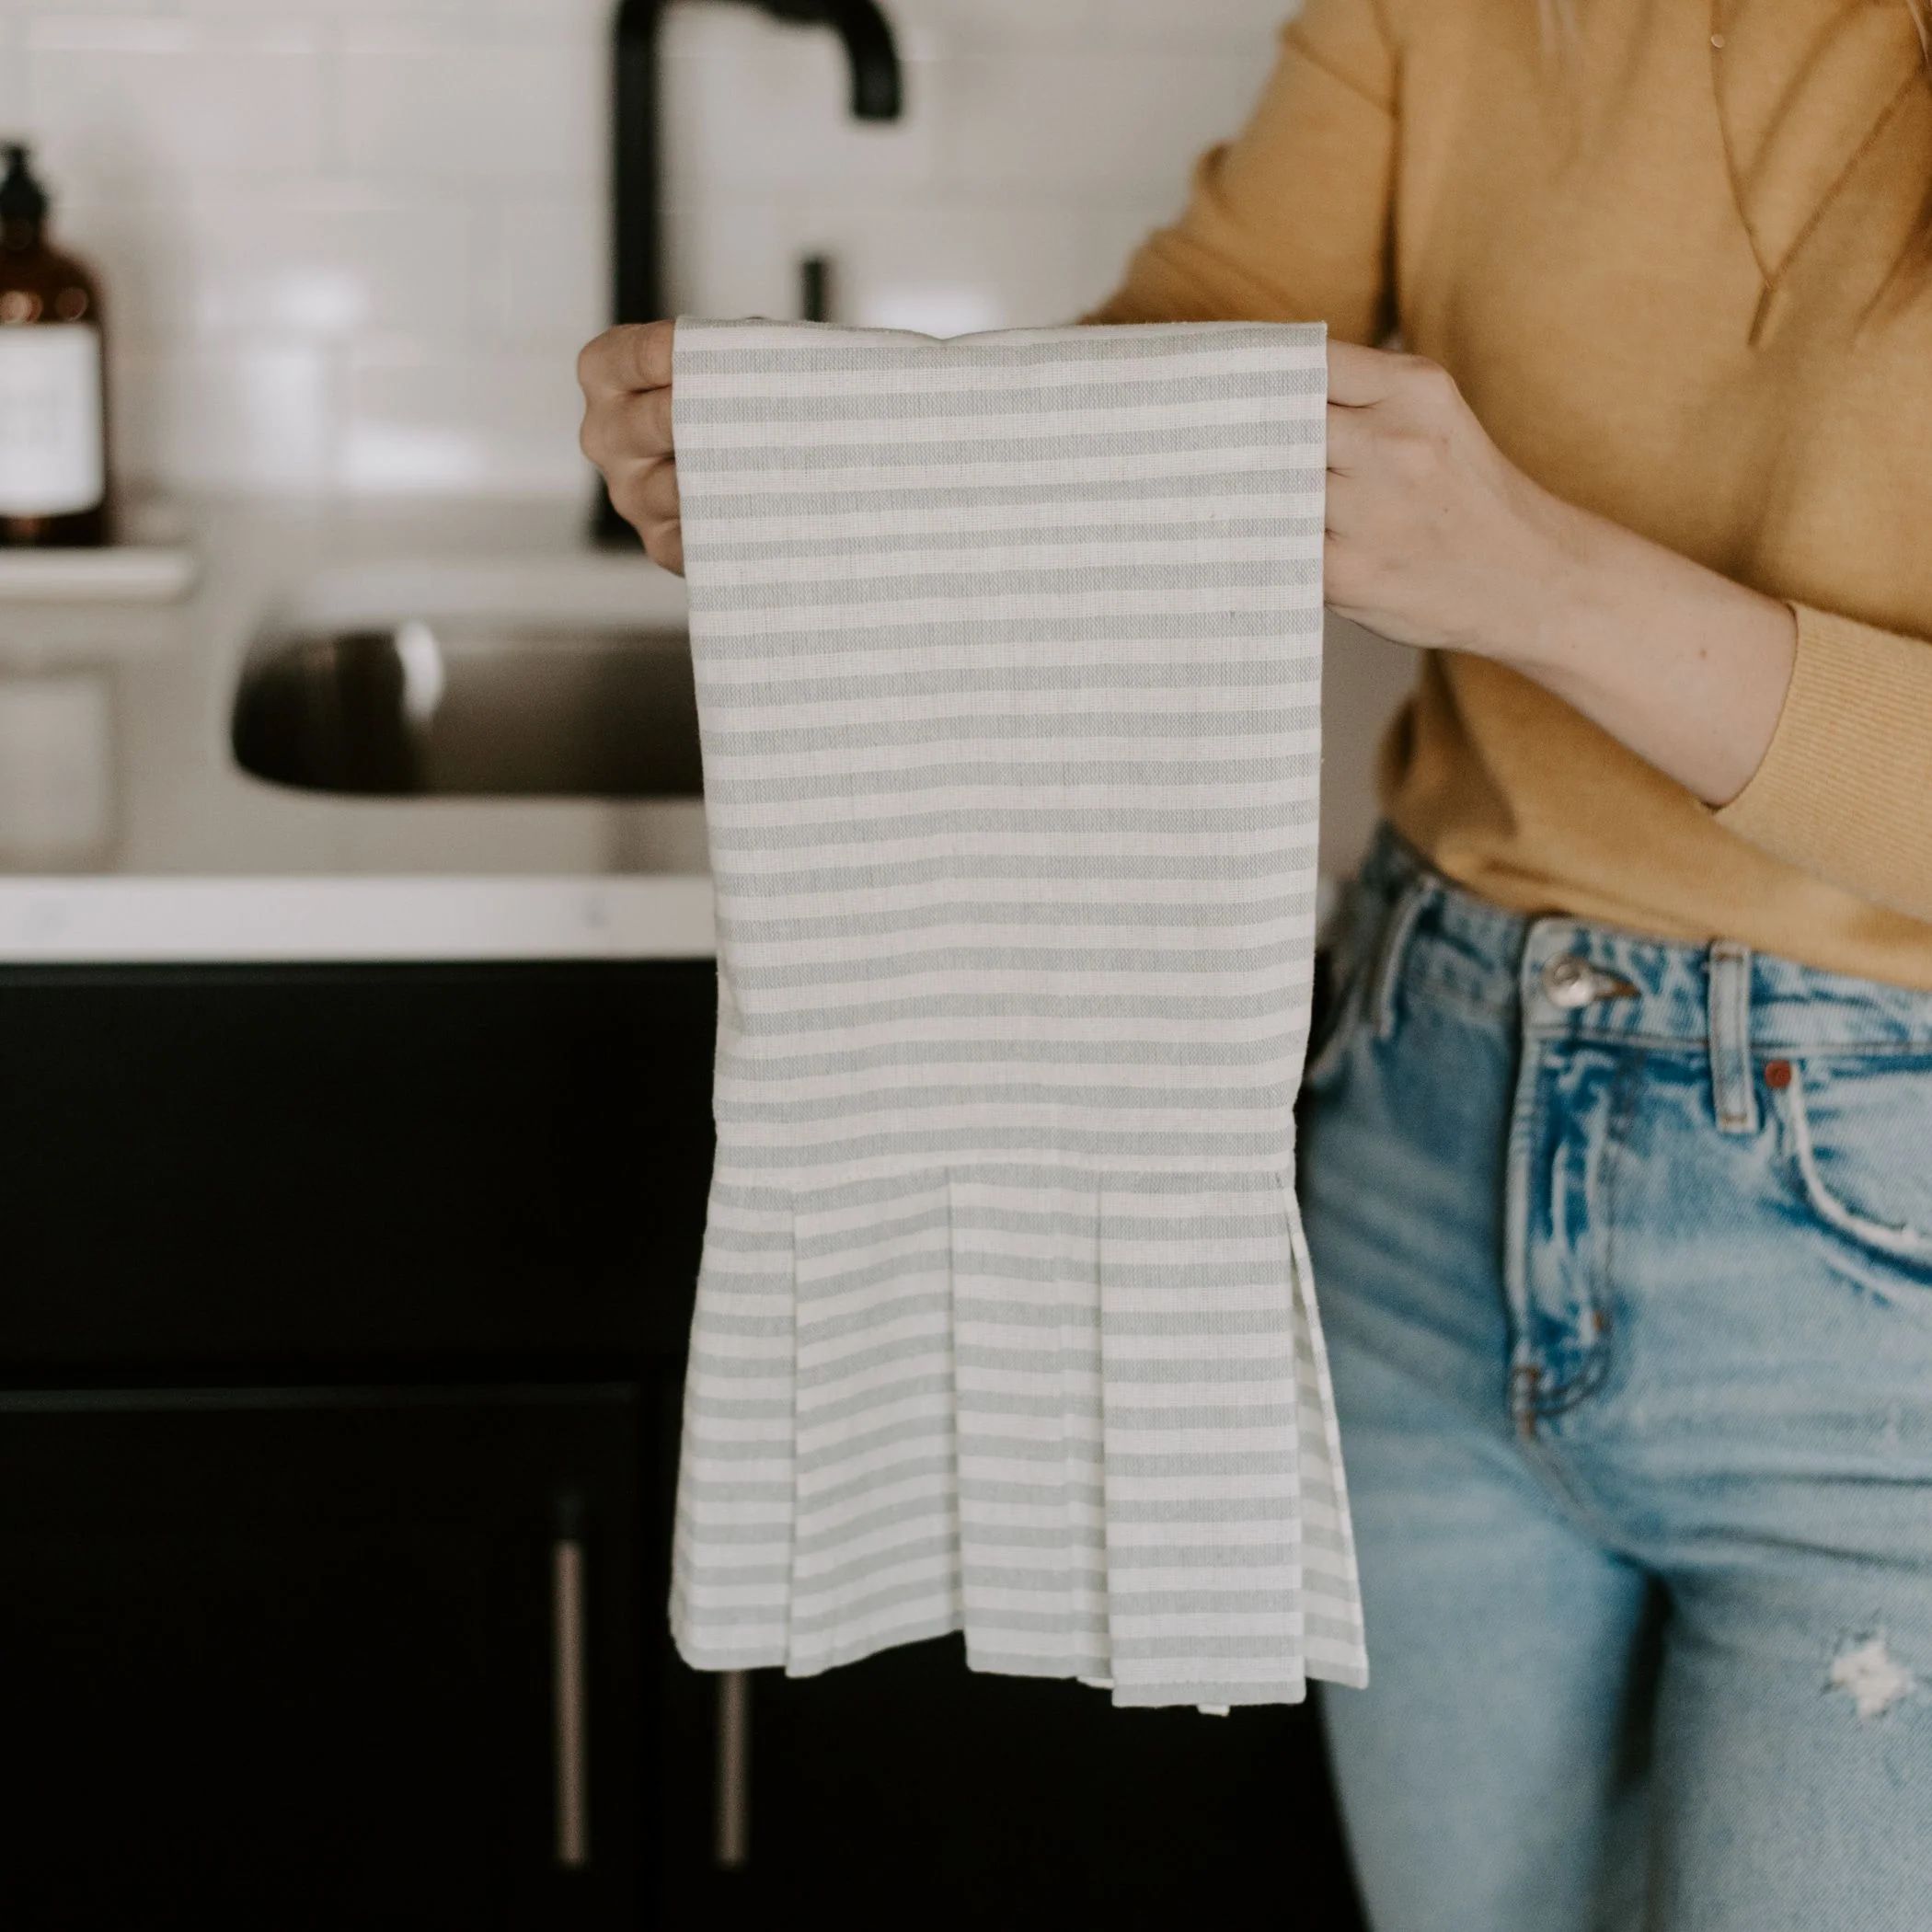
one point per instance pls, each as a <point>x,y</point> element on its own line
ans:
<point>1553,973</point>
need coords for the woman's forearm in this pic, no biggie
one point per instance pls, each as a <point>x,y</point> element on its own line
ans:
<point>1679,663</point>
<point>1435,539</point>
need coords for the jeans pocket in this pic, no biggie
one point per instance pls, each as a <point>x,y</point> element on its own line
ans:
<point>1858,1132</point>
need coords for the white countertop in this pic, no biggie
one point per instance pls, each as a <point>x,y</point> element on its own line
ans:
<point>206,863</point>
<point>80,921</point>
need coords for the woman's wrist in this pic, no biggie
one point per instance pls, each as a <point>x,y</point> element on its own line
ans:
<point>1686,666</point>
<point>1573,599</point>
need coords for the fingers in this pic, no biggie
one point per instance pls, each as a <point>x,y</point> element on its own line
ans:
<point>1346,508</point>
<point>652,487</point>
<point>1348,435</point>
<point>626,376</point>
<point>1360,378</point>
<point>1389,413</point>
<point>646,496</point>
<point>665,548</point>
<point>628,427</point>
<point>623,360</point>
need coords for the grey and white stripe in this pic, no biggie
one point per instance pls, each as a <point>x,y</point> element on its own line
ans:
<point>1009,653</point>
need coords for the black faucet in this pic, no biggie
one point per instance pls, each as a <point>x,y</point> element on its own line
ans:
<point>637,172</point>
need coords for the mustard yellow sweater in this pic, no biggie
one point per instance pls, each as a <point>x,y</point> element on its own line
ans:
<point>1651,262</point>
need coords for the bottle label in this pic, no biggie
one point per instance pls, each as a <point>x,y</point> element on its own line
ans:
<point>50,456</point>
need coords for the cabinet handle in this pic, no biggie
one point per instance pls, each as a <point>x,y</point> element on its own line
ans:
<point>566,1679</point>
<point>732,1844</point>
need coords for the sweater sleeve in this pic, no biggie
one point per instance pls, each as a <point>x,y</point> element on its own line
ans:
<point>1291,221</point>
<point>1843,790</point>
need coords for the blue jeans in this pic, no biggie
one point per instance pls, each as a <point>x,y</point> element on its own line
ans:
<point>1624,1252</point>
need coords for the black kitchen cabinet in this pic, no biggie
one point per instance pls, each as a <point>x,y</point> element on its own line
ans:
<point>307,1658</point>
<point>906,1790</point>
<point>342,1346</point>
<point>341,1333</point>
<point>392,1171</point>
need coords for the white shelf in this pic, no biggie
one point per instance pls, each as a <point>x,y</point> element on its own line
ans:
<point>126,573</point>
<point>155,564</point>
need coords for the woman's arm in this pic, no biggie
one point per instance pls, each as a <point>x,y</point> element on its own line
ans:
<point>1437,539</point>
<point>1845,790</point>
<point>1809,734</point>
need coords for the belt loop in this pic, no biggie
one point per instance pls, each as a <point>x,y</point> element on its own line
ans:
<point>1380,1003</point>
<point>1733,1088</point>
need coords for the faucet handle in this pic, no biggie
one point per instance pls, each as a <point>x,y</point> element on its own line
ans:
<point>815,289</point>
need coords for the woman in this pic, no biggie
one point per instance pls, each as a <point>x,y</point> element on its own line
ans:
<point>1618,1137</point>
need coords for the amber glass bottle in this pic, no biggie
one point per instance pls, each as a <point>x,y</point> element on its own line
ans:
<point>54,443</point>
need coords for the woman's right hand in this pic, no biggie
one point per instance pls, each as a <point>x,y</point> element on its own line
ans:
<point>625,379</point>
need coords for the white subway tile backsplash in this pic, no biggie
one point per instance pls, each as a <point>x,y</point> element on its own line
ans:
<point>415,420</point>
<point>460,14</point>
<point>1107,124</point>
<point>543,272</point>
<point>951,269</point>
<point>26,10</point>
<point>581,18</point>
<point>1002,25</point>
<point>327,265</point>
<point>732,32</point>
<point>1096,26</point>
<point>1112,231</point>
<point>13,78</point>
<point>155,102</point>
<point>523,112</point>
<point>734,256</point>
<point>948,269</point>
<point>1233,26</point>
<point>107,28</point>
<point>355,243</point>
<point>227,417</point>
<point>776,118</point>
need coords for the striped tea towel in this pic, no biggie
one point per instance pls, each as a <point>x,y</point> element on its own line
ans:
<point>1008,655</point>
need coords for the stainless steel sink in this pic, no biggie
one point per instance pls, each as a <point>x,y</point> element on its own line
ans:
<point>461,700</point>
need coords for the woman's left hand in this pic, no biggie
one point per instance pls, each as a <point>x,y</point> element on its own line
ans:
<point>1435,539</point>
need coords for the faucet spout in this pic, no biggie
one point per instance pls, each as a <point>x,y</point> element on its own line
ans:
<point>878,88</point>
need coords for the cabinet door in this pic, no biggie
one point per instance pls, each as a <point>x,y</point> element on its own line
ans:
<point>906,1790</point>
<point>395,1173</point>
<point>294,1659</point>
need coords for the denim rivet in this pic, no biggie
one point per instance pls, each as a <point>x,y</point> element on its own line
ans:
<point>1777,1073</point>
<point>1570,979</point>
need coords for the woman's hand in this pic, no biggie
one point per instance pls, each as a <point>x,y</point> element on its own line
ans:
<point>1435,539</point>
<point>625,379</point>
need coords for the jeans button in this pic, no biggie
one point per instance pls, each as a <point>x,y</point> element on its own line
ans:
<point>1569,980</point>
